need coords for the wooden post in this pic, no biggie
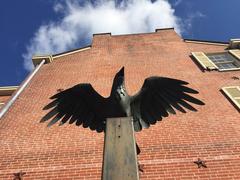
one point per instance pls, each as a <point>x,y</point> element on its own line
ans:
<point>120,158</point>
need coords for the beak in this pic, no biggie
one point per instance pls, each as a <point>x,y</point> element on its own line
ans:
<point>121,72</point>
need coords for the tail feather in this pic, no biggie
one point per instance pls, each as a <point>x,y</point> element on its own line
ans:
<point>144,124</point>
<point>137,126</point>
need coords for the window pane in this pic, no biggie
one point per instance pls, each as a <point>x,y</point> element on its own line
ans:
<point>226,66</point>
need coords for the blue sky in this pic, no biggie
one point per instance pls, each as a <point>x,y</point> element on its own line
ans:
<point>49,26</point>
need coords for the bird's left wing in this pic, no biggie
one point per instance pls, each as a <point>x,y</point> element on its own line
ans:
<point>158,97</point>
<point>80,104</point>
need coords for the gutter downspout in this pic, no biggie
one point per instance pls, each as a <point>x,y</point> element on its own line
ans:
<point>20,90</point>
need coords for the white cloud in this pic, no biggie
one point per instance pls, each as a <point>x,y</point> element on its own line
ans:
<point>191,17</point>
<point>177,2</point>
<point>81,20</point>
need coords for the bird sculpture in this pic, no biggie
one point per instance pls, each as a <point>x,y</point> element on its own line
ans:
<point>158,97</point>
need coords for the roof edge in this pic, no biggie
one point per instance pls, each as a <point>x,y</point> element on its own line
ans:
<point>142,33</point>
<point>37,59</point>
<point>162,29</point>
<point>71,51</point>
<point>7,90</point>
<point>101,34</point>
<point>220,43</point>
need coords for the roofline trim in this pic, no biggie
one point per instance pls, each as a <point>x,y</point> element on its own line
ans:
<point>97,34</point>
<point>37,59</point>
<point>71,52</point>
<point>162,29</point>
<point>7,90</point>
<point>156,30</point>
<point>8,87</point>
<point>143,33</point>
<point>219,43</point>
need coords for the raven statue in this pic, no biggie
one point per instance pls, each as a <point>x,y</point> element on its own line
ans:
<point>158,97</point>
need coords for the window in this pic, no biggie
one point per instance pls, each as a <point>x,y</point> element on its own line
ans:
<point>222,61</point>
<point>233,93</point>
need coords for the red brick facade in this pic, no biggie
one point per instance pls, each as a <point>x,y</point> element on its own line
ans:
<point>169,148</point>
<point>4,99</point>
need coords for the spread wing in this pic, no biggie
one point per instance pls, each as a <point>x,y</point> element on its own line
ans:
<point>80,104</point>
<point>158,98</point>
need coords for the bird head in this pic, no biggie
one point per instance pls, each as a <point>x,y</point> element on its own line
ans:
<point>118,87</point>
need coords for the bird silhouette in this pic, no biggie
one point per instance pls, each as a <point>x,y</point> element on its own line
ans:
<point>158,97</point>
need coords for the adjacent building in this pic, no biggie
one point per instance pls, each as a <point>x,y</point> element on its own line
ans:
<point>6,93</point>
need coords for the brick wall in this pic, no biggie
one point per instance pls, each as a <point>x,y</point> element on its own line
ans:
<point>169,148</point>
<point>4,98</point>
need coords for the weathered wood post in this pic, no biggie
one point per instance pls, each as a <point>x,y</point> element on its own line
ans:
<point>120,157</point>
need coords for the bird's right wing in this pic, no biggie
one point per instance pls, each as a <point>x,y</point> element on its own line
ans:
<point>158,97</point>
<point>80,104</point>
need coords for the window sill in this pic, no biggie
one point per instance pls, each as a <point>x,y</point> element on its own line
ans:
<point>232,69</point>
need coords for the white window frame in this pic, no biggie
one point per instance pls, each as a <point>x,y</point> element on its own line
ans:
<point>228,69</point>
<point>207,64</point>
<point>233,99</point>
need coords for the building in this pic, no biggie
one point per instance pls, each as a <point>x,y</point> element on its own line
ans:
<point>6,93</point>
<point>169,148</point>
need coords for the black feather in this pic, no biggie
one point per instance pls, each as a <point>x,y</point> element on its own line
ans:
<point>65,119</point>
<point>186,89</point>
<point>162,103</point>
<point>186,105</point>
<point>143,123</point>
<point>172,101</point>
<point>55,119</point>
<point>49,115</point>
<point>181,97</point>
<point>51,104</point>
<point>137,125</point>
<point>192,99</point>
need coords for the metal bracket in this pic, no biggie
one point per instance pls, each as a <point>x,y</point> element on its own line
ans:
<point>201,163</point>
<point>19,175</point>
